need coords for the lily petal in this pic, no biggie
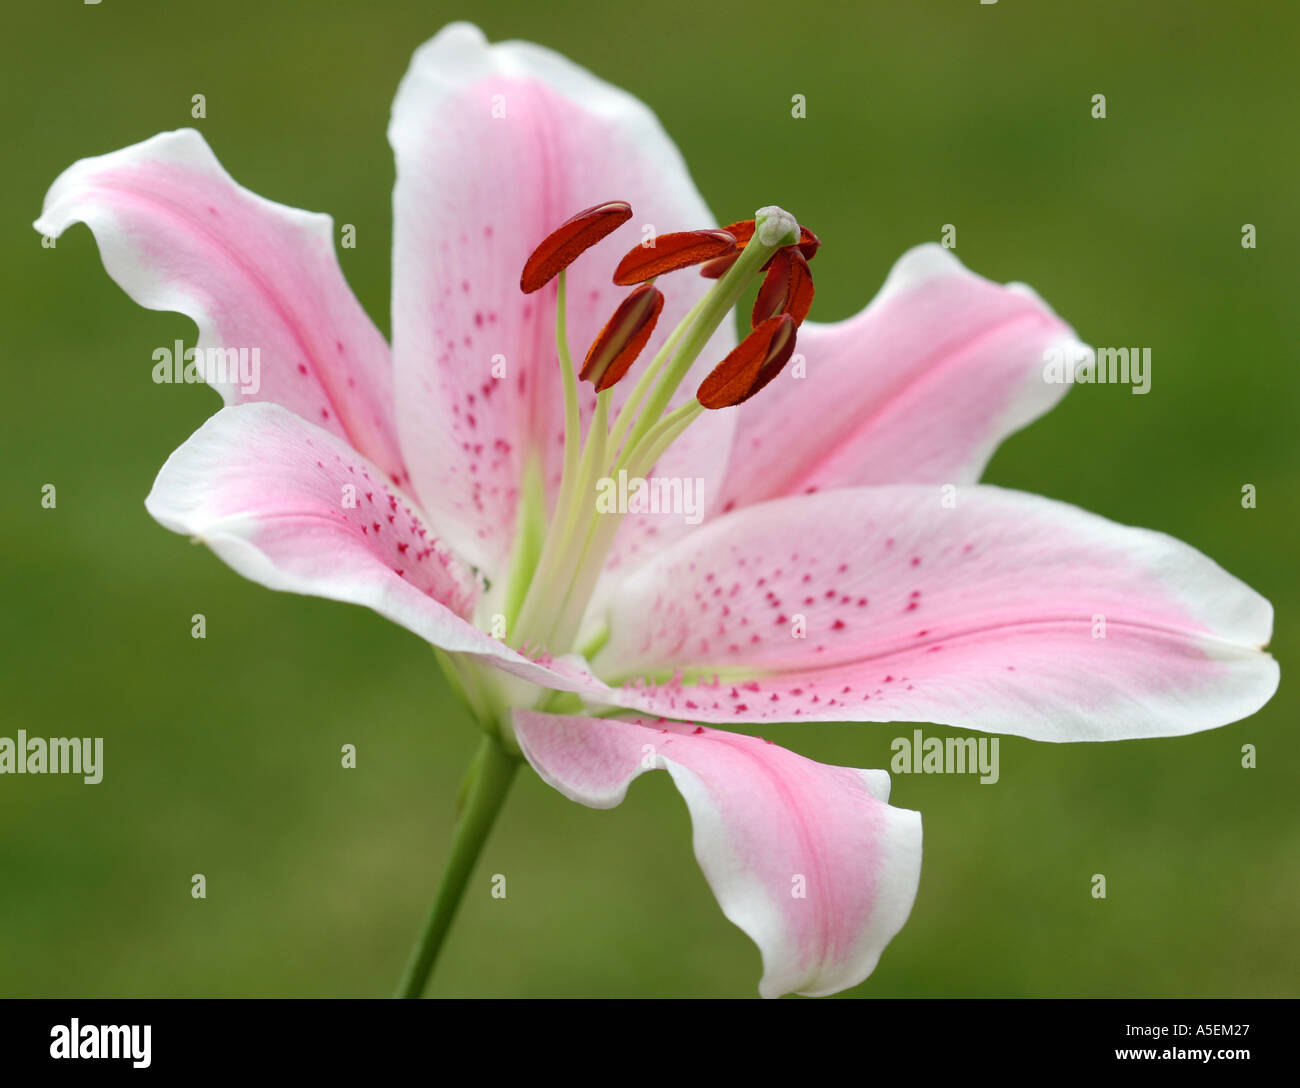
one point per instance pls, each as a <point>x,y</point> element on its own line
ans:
<point>178,233</point>
<point>496,145</point>
<point>292,507</point>
<point>1009,613</point>
<point>919,387</point>
<point>808,859</point>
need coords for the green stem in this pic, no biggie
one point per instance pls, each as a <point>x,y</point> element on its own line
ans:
<point>493,770</point>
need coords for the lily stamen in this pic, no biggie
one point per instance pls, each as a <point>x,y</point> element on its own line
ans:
<point>570,240</point>
<point>577,540</point>
<point>622,338</point>
<point>788,288</point>
<point>759,358</point>
<point>671,252</point>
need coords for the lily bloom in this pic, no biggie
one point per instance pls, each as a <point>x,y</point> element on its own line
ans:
<point>848,566</point>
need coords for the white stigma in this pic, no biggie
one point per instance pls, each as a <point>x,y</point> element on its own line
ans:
<point>776,226</point>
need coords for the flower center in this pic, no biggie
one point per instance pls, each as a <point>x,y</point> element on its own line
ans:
<point>551,583</point>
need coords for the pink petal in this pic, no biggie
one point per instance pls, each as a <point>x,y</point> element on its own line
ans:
<point>178,233</point>
<point>269,493</point>
<point>919,387</point>
<point>768,824</point>
<point>475,193</point>
<point>982,616</point>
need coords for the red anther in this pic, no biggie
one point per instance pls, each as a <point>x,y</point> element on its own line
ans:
<point>775,291</point>
<point>671,252</point>
<point>801,286</point>
<point>743,231</point>
<point>787,288</point>
<point>719,266</point>
<point>623,337</point>
<point>809,243</point>
<point>567,242</point>
<point>756,361</point>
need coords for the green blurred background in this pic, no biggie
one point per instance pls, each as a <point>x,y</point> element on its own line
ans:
<point>222,755</point>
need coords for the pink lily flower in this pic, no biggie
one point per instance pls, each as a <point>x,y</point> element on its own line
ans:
<point>848,566</point>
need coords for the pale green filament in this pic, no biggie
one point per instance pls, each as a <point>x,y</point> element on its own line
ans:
<point>568,481</point>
